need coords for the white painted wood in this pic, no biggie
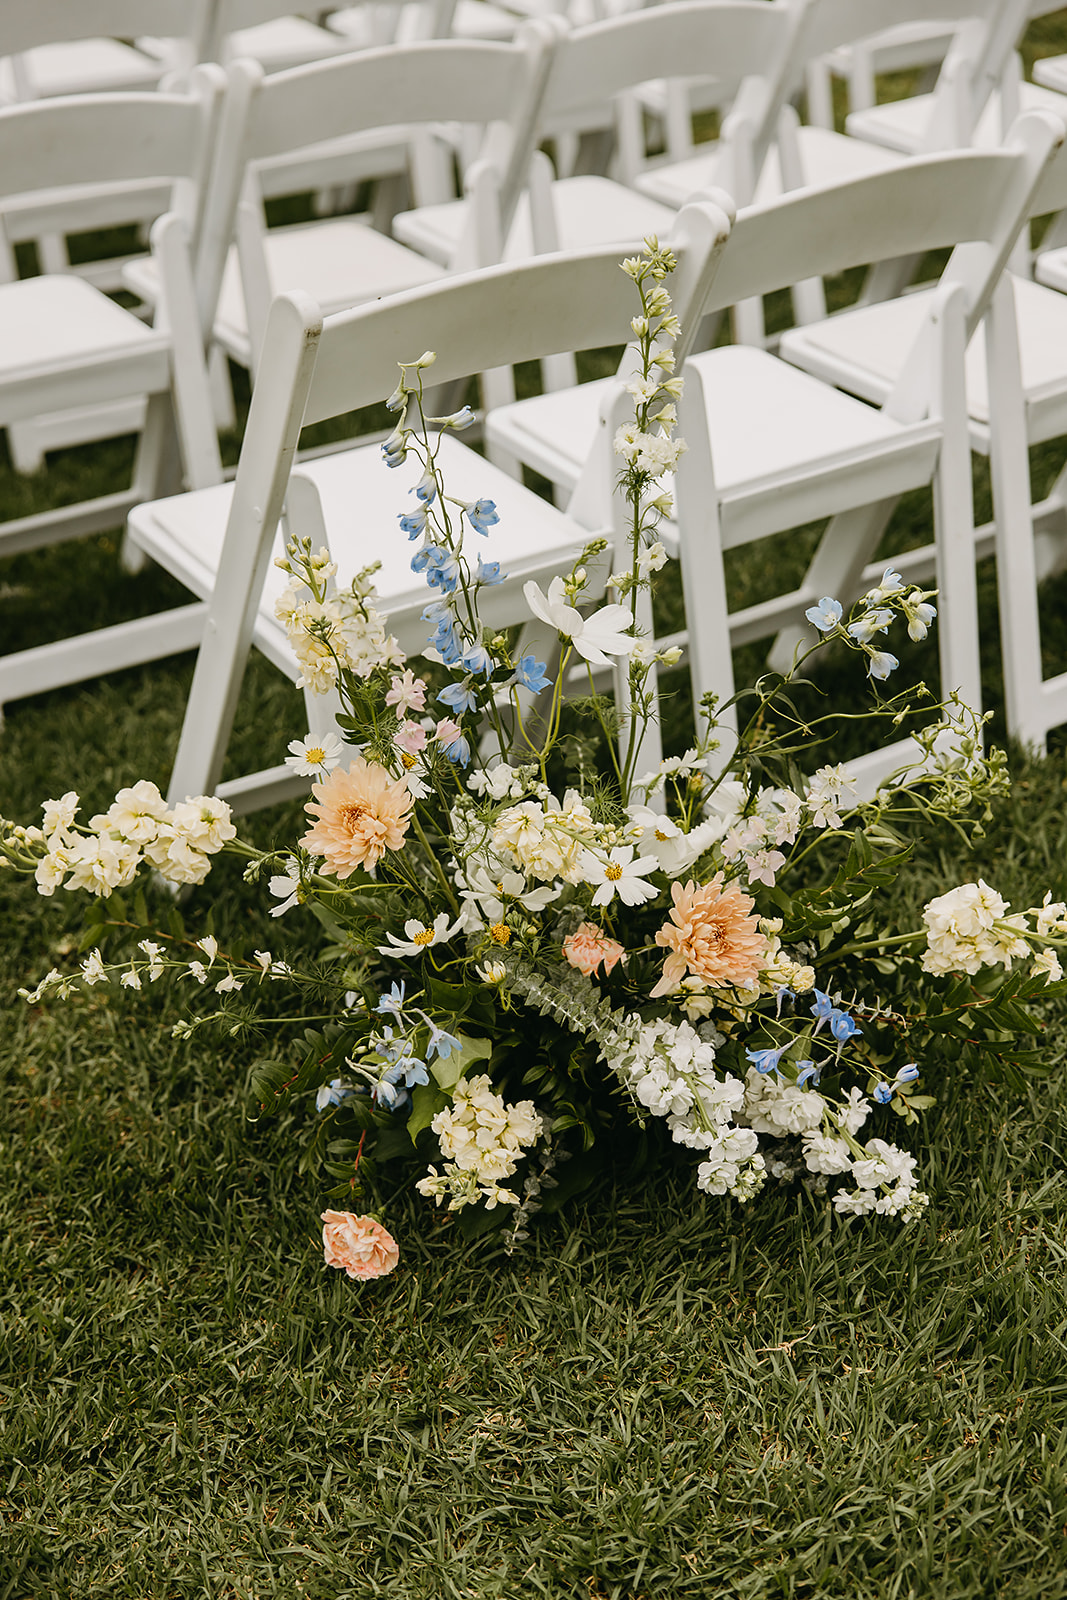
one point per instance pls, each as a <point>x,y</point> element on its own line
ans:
<point>727,40</point>
<point>1016,395</point>
<point>65,345</point>
<point>766,453</point>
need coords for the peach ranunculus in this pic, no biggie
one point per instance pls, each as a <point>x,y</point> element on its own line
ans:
<point>361,813</point>
<point>358,1244</point>
<point>588,946</point>
<point>711,935</point>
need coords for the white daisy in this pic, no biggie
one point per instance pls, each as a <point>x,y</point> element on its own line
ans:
<point>620,875</point>
<point>316,754</point>
<point>419,937</point>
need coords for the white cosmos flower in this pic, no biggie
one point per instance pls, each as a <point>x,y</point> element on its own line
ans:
<point>674,850</point>
<point>620,875</point>
<point>596,637</point>
<point>316,754</point>
<point>419,937</point>
<point>287,885</point>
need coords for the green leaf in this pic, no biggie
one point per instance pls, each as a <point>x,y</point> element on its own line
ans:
<point>426,1101</point>
<point>449,1072</point>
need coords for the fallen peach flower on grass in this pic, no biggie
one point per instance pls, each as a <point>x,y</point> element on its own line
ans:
<point>361,814</point>
<point>588,946</point>
<point>711,935</point>
<point>359,1245</point>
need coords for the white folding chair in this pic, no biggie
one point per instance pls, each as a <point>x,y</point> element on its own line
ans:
<point>64,47</point>
<point>987,92</point>
<point>1016,394</point>
<point>728,40</point>
<point>771,449</point>
<point>58,49</point>
<point>474,321</point>
<point>906,47</point>
<point>304,117</point>
<point>65,344</point>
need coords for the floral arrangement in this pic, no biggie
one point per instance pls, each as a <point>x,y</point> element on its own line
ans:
<point>532,944</point>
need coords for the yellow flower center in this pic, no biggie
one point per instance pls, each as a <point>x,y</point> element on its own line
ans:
<point>613,872</point>
<point>407,760</point>
<point>500,932</point>
<point>352,815</point>
<point>424,936</point>
<point>316,755</point>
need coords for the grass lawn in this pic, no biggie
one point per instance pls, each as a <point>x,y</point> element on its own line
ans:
<point>659,1395</point>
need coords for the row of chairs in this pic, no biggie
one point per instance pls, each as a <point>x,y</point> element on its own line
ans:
<point>324,123</point>
<point>639,44</point>
<point>770,444</point>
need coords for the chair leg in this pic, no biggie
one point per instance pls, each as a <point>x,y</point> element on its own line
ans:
<point>157,470</point>
<point>1027,712</point>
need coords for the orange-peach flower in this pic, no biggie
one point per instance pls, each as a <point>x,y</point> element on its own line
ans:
<point>711,935</point>
<point>359,1245</point>
<point>361,814</point>
<point>588,946</point>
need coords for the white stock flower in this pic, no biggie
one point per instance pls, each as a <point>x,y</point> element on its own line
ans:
<point>175,858</point>
<point>826,1154</point>
<point>204,823</point>
<point>135,813</point>
<point>962,932</point>
<point>93,970</point>
<point>483,1140</point>
<point>827,790</point>
<point>780,1108</point>
<point>101,865</point>
<point>1051,916</point>
<point>1046,964</point>
<point>58,815</point>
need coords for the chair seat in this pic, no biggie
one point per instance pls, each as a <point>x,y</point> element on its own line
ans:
<point>284,42</point>
<point>902,124</point>
<point>862,351</point>
<point>1051,73</point>
<point>56,323</point>
<point>768,423</point>
<point>825,157</point>
<point>82,66</point>
<point>589,211</point>
<point>361,499</point>
<point>340,262</point>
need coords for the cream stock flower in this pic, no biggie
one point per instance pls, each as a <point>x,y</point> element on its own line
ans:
<point>969,928</point>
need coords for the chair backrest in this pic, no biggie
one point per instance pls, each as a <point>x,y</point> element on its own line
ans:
<point>429,82</point>
<point>725,42</point>
<point>986,33</point>
<point>225,17</point>
<point>974,202</point>
<point>85,141</point>
<point>500,316</point>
